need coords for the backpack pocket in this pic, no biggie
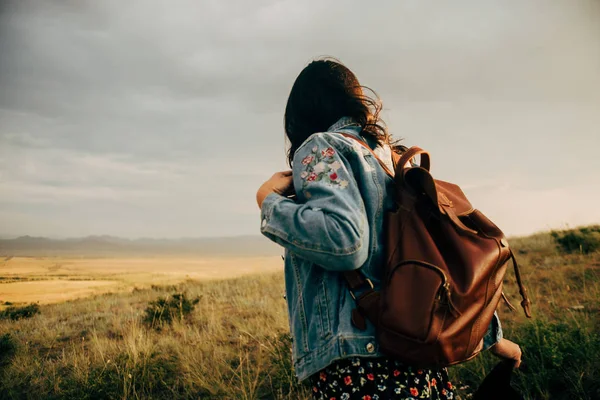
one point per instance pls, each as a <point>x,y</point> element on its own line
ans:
<point>413,294</point>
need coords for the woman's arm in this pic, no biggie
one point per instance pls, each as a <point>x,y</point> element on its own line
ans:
<point>498,345</point>
<point>508,350</point>
<point>327,224</point>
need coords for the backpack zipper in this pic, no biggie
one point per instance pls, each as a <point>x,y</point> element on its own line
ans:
<point>444,290</point>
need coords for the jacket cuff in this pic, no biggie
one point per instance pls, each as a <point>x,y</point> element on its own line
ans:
<point>266,208</point>
<point>494,333</point>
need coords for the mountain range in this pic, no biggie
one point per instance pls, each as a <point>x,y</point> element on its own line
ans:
<point>104,246</point>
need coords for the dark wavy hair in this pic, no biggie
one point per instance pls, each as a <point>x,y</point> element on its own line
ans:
<point>325,91</point>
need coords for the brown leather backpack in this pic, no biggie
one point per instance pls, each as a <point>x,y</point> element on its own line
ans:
<point>443,277</point>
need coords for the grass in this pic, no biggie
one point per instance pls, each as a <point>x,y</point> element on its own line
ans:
<point>234,343</point>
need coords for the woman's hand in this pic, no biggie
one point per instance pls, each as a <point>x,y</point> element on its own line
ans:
<point>507,350</point>
<point>280,182</point>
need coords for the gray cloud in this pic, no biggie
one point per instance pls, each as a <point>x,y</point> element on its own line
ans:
<point>146,118</point>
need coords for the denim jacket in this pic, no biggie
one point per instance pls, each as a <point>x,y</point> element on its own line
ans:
<point>333,225</point>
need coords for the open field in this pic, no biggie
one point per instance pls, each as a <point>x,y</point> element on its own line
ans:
<point>234,344</point>
<point>55,279</point>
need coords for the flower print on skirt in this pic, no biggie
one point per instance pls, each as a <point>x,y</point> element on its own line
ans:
<point>379,379</point>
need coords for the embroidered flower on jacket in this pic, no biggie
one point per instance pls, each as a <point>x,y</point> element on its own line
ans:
<point>414,392</point>
<point>308,159</point>
<point>334,166</point>
<point>348,380</point>
<point>322,166</point>
<point>328,152</point>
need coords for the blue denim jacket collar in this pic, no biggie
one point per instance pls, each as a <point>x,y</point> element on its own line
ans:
<point>342,123</point>
<point>350,126</point>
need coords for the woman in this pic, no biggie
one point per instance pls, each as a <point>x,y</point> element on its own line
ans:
<point>334,224</point>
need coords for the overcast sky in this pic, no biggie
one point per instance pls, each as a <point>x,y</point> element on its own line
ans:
<point>162,118</point>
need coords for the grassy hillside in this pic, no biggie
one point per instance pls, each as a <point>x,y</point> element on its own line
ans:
<point>234,343</point>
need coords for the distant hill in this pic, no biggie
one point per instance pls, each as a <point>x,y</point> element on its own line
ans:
<point>105,246</point>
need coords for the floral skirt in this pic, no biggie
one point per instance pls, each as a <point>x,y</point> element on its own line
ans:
<point>379,379</point>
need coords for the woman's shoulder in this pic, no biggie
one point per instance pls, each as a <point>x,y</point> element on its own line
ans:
<point>333,140</point>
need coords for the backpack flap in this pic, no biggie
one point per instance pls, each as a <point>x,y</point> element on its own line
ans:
<point>449,199</point>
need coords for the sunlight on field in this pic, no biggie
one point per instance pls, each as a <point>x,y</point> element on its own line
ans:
<point>55,279</point>
<point>52,291</point>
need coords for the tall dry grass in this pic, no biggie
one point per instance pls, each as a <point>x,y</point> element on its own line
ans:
<point>234,346</point>
<point>235,343</point>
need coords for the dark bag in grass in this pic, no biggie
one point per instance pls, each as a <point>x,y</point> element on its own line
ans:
<point>496,385</point>
<point>443,277</point>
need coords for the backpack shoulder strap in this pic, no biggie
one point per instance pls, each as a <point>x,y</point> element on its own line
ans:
<point>398,159</point>
<point>366,302</point>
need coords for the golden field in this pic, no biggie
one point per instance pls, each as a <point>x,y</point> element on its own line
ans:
<point>47,280</point>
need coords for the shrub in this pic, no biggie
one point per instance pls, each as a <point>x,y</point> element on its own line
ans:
<point>16,313</point>
<point>165,310</point>
<point>164,288</point>
<point>583,240</point>
<point>7,349</point>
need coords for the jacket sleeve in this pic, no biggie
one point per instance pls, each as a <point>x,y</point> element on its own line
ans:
<point>494,332</point>
<point>327,224</point>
